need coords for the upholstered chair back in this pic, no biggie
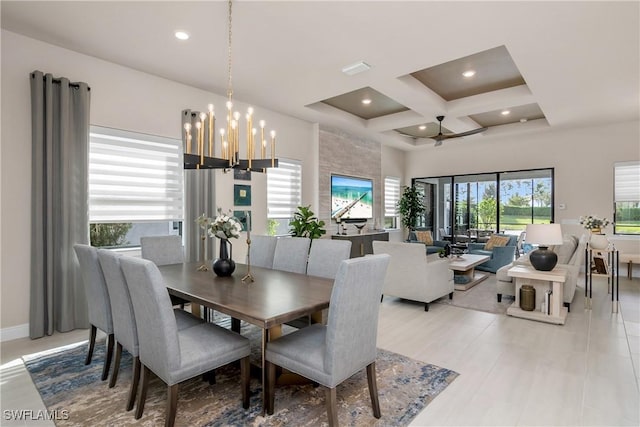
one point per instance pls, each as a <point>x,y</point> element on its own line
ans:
<point>155,321</point>
<point>326,255</point>
<point>291,254</point>
<point>162,250</point>
<point>352,326</point>
<point>262,250</point>
<point>98,300</point>
<point>124,321</point>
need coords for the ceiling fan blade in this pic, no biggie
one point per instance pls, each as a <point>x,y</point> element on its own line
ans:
<point>467,133</point>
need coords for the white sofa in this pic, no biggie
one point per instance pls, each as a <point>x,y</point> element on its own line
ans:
<point>413,275</point>
<point>570,256</point>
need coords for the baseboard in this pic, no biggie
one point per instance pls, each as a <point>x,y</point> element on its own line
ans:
<point>14,332</point>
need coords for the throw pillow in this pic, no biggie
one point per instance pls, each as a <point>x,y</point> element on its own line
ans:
<point>494,241</point>
<point>424,237</point>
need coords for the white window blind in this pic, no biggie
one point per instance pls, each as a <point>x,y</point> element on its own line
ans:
<point>134,177</point>
<point>627,182</point>
<point>391,195</point>
<point>284,189</point>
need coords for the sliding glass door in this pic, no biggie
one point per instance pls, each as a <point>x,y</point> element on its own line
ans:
<point>471,207</point>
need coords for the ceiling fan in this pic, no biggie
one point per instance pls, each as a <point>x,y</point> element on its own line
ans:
<point>441,137</point>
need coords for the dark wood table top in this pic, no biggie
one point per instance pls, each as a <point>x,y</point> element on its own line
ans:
<point>273,298</point>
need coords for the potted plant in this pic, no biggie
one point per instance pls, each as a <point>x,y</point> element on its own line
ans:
<point>305,224</point>
<point>410,207</point>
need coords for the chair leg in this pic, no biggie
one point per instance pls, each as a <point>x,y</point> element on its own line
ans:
<point>245,375</point>
<point>568,305</point>
<point>134,383</point>
<point>373,389</point>
<point>450,295</point>
<point>381,297</point>
<point>499,297</point>
<point>116,366</point>
<point>107,361</point>
<point>426,306</point>
<point>269,396</point>
<point>332,407</point>
<point>92,344</point>
<point>146,373</point>
<point>172,405</point>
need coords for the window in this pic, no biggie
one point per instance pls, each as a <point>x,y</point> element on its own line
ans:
<point>627,198</point>
<point>284,194</point>
<point>391,198</point>
<point>135,186</point>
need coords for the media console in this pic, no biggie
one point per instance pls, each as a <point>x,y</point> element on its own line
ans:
<point>362,244</point>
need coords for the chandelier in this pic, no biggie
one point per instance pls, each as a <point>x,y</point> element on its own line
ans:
<point>202,151</point>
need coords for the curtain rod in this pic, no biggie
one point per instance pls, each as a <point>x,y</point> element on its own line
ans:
<point>57,80</point>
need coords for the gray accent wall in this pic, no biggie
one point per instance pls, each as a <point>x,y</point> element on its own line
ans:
<point>345,154</point>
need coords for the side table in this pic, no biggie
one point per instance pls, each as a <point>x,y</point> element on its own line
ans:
<point>525,275</point>
<point>602,263</point>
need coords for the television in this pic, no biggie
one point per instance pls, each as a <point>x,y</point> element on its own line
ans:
<point>351,198</point>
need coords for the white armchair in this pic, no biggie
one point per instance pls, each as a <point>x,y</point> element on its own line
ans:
<point>413,275</point>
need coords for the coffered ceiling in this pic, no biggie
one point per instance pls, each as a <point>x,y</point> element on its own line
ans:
<point>549,64</point>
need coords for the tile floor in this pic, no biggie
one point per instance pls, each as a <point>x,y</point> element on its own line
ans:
<point>513,371</point>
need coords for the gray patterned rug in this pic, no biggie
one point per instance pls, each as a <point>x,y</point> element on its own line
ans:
<point>405,387</point>
<point>481,297</point>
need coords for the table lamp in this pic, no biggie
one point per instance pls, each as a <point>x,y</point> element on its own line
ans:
<point>543,235</point>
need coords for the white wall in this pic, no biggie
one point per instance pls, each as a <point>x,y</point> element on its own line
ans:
<point>583,160</point>
<point>393,164</point>
<point>120,98</point>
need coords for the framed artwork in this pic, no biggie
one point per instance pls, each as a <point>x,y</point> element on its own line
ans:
<point>242,174</point>
<point>241,195</point>
<point>242,217</point>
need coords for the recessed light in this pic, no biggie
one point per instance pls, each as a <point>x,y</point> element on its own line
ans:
<point>366,101</point>
<point>505,112</point>
<point>422,127</point>
<point>469,73</point>
<point>181,35</point>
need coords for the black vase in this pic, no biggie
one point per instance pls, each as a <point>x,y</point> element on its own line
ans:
<point>224,266</point>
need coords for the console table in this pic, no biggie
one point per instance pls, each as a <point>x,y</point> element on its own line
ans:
<point>602,263</point>
<point>526,275</point>
<point>362,244</point>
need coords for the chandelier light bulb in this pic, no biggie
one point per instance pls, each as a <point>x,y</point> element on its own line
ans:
<point>222,132</point>
<point>203,116</point>
<point>236,115</point>
<point>250,111</point>
<point>273,134</point>
<point>187,127</point>
<point>229,105</point>
<point>198,124</point>
<point>210,108</point>
<point>262,123</point>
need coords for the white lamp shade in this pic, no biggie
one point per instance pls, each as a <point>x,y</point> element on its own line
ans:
<point>544,234</point>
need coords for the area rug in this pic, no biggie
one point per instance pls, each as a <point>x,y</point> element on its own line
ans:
<point>66,385</point>
<point>481,297</point>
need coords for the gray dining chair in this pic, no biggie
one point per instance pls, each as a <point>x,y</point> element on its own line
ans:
<point>330,354</point>
<point>262,250</point>
<point>98,302</point>
<point>326,255</point>
<point>162,250</point>
<point>291,254</point>
<point>124,321</point>
<point>176,355</point>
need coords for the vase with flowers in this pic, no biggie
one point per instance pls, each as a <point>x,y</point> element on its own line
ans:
<point>224,226</point>
<point>596,224</point>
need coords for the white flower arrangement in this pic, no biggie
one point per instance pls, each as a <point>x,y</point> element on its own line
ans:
<point>224,226</point>
<point>591,221</point>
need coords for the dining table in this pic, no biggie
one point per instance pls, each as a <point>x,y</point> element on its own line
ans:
<point>271,299</point>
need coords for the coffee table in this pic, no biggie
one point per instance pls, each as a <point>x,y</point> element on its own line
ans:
<point>464,274</point>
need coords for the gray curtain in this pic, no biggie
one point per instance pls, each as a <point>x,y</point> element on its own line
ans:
<point>59,218</point>
<point>199,198</point>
